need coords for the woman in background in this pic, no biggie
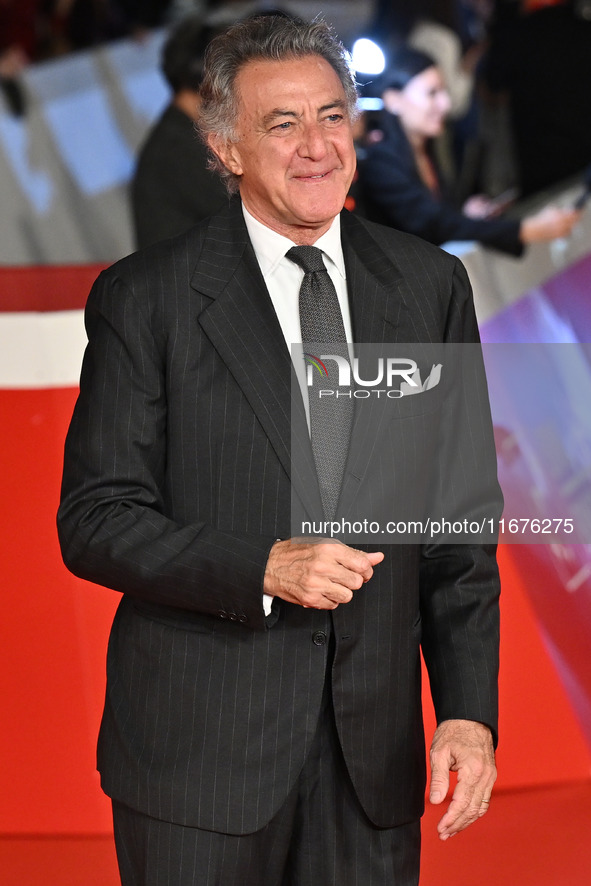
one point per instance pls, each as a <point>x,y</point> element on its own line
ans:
<point>401,184</point>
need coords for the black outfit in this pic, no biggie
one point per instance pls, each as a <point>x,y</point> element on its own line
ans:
<point>543,61</point>
<point>172,188</point>
<point>393,193</point>
<point>320,835</point>
<point>177,482</point>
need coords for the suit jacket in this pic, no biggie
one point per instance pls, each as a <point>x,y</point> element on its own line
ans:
<point>393,193</point>
<point>176,485</point>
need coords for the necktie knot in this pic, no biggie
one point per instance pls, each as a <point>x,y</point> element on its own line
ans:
<point>309,258</point>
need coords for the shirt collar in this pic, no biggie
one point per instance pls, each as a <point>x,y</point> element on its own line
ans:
<point>270,247</point>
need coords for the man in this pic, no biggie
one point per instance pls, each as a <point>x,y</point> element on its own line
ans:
<point>263,714</point>
<point>172,188</point>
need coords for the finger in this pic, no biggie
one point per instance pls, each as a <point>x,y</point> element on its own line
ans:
<point>320,602</point>
<point>352,571</point>
<point>328,596</point>
<point>459,814</point>
<point>457,817</point>
<point>484,806</point>
<point>337,593</point>
<point>329,563</point>
<point>439,785</point>
<point>335,578</point>
<point>469,802</point>
<point>359,562</point>
<point>375,557</point>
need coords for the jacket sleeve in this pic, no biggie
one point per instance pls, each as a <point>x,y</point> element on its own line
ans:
<point>459,582</point>
<point>396,196</point>
<point>113,521</point>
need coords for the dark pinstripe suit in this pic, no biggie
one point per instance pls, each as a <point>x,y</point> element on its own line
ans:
<point>176,485</point>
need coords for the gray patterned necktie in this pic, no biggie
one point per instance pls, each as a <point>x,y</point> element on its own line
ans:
<point>331,417</point>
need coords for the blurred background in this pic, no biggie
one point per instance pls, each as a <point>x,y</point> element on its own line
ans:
<point>98,101</point>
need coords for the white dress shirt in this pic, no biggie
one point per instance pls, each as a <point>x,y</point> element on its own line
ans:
<point>283,279</point>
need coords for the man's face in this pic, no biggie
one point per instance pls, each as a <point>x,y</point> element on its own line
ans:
<point>295,154</point>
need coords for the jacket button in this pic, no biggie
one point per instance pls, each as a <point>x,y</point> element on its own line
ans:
<point>222,613</point>
<point>318,638</point>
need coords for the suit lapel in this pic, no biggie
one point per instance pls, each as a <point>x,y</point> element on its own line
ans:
<point>379,299</point>
<point>377,289</point>
<point>242,325</point>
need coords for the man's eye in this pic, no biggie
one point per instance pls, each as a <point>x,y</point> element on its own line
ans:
<point>283,127</point>
<point>334,118</point>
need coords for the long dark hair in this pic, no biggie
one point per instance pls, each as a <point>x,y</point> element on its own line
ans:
<point>404,64</point>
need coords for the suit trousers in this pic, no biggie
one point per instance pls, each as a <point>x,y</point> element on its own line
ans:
<point>319,837</point>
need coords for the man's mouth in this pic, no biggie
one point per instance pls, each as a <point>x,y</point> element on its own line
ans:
<point>317,176</point>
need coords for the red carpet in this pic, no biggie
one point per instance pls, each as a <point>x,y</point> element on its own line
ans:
<point>534,837</point>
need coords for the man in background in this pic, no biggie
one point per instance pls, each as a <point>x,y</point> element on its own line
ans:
<point>172,188</point>
<point>539,61</point>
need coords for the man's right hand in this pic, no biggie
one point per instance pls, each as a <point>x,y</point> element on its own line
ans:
<point>319,574</point>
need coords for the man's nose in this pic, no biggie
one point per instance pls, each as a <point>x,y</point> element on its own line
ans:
<point>313,142</point>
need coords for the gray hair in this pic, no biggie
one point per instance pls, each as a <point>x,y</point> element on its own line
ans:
<point>269,38</point>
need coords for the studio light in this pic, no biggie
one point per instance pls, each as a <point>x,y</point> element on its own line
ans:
<point>367,57</point>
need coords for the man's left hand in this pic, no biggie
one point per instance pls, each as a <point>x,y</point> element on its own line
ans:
<point>465,747</point>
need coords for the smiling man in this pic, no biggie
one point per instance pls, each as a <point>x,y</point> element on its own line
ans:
<point>262,725</point>
<point>293,152</point>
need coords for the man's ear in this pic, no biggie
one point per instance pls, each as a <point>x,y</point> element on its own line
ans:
<point>227,152</point>
<point>392,99</point>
